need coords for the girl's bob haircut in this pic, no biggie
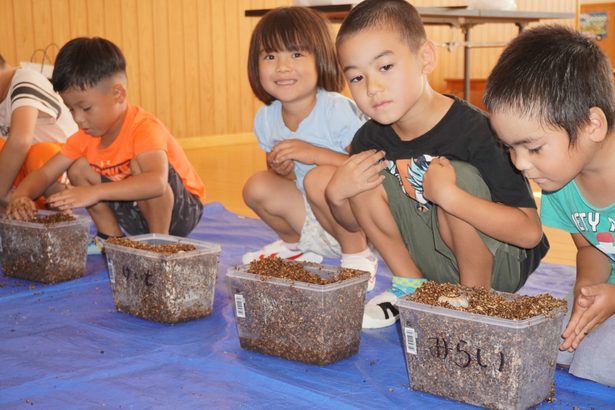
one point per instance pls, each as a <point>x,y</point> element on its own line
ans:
<point>294,29</point>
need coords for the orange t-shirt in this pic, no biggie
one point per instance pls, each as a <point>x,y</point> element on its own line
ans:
<point>141,132</point>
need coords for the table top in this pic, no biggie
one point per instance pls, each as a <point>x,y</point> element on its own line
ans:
<point>455,16</point>
<point>459,16</point>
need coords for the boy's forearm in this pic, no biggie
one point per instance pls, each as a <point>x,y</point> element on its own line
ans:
<point>517,226</point>
<point>593,267</point>
<point>134,188</point>
<point>17,145</point>
<point>326,156</point>
<point>34,185</point>
<point>6,182</point>
<point>12,157</point>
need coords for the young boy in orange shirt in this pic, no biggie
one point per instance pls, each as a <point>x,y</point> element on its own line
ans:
<point>123,164</point>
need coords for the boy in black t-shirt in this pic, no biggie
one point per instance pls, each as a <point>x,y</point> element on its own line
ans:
<point>450,206</point>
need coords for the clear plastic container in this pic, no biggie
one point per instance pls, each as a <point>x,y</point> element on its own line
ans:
<point>167,288</point>
<point>477,359</point>
<point>311,323</point>
<point>44,252</point>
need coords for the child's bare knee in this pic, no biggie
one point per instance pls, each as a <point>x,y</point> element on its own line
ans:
<point>251,187</point>
<point>258,186</point>
<point>318,177</point>
<point>159,205</point>
<point>79,173</point>
<point>372,196</point>
<point>315,182</point>
<point>451,225</point>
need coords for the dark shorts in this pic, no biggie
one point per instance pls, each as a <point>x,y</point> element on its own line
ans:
<point>187,210</point>
<point>419,229</point>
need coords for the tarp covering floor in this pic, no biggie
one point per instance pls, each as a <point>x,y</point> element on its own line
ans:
<point>65,346</point>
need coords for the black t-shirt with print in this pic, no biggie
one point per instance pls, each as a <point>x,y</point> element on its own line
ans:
<point>463,134</point>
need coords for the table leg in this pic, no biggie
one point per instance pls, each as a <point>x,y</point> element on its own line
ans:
<point>466,62</point>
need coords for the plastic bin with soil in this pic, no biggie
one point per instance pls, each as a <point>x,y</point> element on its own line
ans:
<point>487,348</point>
<point>50,248</point>
<point>306,312</point>
<point>163,278</point>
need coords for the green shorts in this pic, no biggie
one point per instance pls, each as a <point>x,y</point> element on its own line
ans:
<point>418,228</point>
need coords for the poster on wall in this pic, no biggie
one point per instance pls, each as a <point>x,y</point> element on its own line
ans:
<point>594,24</point>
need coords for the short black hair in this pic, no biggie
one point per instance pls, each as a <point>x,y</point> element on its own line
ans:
<point>554,74</point>
<point>396,15</point>
<point>294,29</point>
<point>84,61</point>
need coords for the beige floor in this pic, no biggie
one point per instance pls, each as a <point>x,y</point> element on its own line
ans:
<point>225,169</point>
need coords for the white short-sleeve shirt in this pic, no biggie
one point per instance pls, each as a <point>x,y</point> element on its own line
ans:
<point>31,88</point>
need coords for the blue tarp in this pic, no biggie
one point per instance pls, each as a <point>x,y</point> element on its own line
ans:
<point>65,346</point>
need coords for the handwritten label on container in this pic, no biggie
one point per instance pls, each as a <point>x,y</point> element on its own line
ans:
<point>464,354</point>
<point>146,277</point>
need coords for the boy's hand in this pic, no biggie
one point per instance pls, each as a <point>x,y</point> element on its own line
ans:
<point>359,173</point>
<point>21,208</point>
<point>593,305</point>
<point>294,150</point>
<point>73,197</point>
<point>4,203</point>
<point>439,180</point>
